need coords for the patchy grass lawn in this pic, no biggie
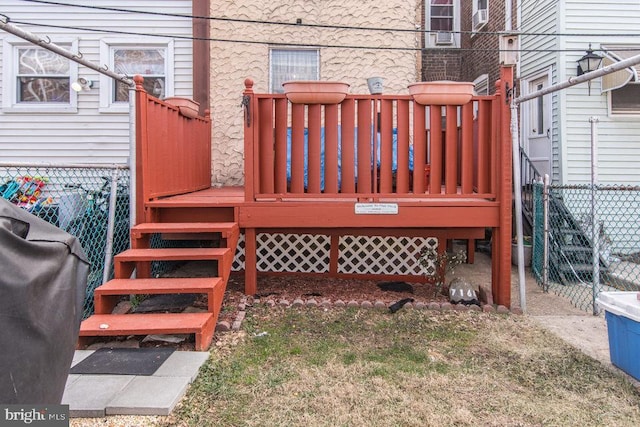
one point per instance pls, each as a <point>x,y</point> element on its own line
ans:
<point>351,367</point>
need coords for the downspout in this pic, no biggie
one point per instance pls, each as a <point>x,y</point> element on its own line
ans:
<point>517,187</point>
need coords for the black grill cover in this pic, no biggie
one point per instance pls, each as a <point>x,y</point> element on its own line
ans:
<point>43,277</point>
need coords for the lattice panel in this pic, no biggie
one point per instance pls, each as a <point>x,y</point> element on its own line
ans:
<point>384,255</point>
<point>238,259</point>
<point>306,253</point>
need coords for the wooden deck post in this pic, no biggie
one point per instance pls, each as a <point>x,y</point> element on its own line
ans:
<point>250,262</point>
<point>501,250</point>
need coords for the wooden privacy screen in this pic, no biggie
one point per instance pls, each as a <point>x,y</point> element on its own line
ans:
<point>369,146</point>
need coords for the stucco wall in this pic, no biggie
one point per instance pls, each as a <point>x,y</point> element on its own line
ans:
<point>232,62</point>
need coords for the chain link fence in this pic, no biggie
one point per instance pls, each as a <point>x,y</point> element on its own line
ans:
<point>574,258</point>
<point>91,202</point>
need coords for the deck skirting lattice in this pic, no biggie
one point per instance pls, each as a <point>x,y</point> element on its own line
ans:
<point>311,253</point>
<point>384,255</point>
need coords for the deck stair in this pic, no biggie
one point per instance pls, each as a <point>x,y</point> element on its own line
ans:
<point>139,259</point>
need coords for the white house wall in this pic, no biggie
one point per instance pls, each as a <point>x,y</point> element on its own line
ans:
<point>618,135</point>
<point>232,63</point>
<point>541,17</point>
<point>88,135</point>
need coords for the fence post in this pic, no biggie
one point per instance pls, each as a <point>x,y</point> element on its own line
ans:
<point>595,228</point>
<point>545,222</point>
<point>111,220</point>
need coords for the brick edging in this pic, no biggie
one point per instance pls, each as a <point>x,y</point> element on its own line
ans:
<point>486,306</point>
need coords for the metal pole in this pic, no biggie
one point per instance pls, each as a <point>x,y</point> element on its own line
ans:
<point>108,252</point>
<point>583,78</point>
<point>47,44</point>
<point>595,223</point>
<point>132,157</point>
<point>517,187</point>
<point>545,262</point>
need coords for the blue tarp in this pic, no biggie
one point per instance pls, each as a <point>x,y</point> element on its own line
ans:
<point>394,159</point>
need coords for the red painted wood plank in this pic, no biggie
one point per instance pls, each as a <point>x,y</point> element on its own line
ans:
<point>419,148</point>
<point>107,295</point>
<point>364,147</point>
<point>484,135</point>
<point>331,149</point>
<point>348,146</point>
<point>200,324</point>
<point>280,166</point>
<point>297,148</point>
<point>225,228</point>
<point>167,285</point>
<point>402,179</point>
<point>265,146</point>
<point>451,150</point>
<point>435,144</point>
<point>386,146</point>
<point>172,254</point>
<point>466,156</point>
<point>314,150</point>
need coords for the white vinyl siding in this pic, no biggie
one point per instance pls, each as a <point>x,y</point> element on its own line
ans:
<point>87,135</point>
<point>618,134</point>
<point>541,17</point>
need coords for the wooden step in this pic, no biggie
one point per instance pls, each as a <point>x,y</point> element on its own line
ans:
<point>226,229</point>
<point>172,254</point>
<point>100,325</point>
<point>107,295</point>
<point>125,261</point>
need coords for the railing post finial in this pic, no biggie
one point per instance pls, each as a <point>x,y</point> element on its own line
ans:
<point>248,85</point>
<point>139,80</point>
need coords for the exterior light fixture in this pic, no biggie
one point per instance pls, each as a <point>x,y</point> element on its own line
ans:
<point>376,85</point>
<point>81,84</point>
<point>589,62</point>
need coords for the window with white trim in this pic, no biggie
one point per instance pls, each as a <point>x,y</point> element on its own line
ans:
<point>626,100</point>
<point>43,76</point>
<point>36,79</point>
<point>623,85</point>
<point>153,61</point>
<point>292,64</point>
<point>443,23</point>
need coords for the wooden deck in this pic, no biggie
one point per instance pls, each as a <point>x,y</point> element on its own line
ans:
<point>371,165</point>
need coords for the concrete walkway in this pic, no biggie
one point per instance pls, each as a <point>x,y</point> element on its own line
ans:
<point>157,394</point>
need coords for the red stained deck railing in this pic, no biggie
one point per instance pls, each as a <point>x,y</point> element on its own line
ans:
<point>173,151</point>
<point>369,147</point>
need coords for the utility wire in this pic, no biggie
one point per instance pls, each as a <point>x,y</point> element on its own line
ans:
<point>326,26</point>
<point>289,44</point>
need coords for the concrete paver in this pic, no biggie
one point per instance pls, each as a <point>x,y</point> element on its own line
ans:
<point>149,395</point>
<point>157,394</point>
<point>89,395</point>
<point>183,364</point>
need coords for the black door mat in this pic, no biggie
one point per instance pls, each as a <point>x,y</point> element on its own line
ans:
<point>123,361</point>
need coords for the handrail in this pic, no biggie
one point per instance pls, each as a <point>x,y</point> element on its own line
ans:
<point>529,176</point>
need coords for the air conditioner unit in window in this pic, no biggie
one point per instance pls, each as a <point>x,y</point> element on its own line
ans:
<point>480,18</point>
<point>444,38</point>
